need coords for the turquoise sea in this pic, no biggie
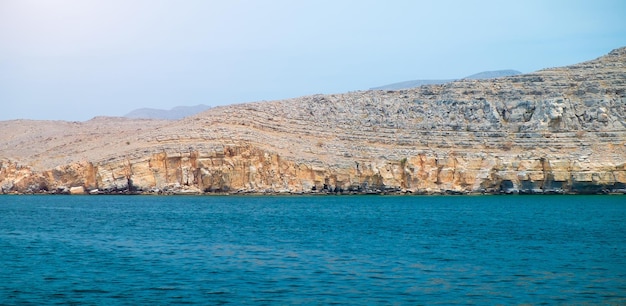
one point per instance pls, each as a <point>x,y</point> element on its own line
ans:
<point>406,250</point>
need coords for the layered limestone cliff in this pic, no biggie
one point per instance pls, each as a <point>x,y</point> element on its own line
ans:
<point>558,130</point>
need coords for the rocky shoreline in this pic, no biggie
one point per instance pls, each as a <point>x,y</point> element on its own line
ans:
<point>555,131</point>
<point>177,191</point>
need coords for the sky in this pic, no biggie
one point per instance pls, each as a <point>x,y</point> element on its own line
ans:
<point>77,59</point>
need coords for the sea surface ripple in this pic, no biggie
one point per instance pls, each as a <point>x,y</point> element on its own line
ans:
<point>406,250</point>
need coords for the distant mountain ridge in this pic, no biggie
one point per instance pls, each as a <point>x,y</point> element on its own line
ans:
<point>175,113</point>
<point>180,112</point>
<point>492,74</point>
<point>476,76</point>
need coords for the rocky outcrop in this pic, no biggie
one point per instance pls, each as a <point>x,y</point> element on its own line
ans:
<point>559,130</point>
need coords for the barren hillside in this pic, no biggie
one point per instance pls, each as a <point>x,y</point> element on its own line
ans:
<point>559,130</point>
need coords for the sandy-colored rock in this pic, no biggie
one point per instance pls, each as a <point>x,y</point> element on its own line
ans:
<point>559,130</point>
<point>77,190</point>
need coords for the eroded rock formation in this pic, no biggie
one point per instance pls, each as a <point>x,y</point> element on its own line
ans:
<point>559,130</point>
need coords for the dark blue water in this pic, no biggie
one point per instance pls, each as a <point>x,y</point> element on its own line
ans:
<point>312,250</point>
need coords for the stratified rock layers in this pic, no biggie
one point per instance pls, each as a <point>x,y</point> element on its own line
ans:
<point>560,130</point>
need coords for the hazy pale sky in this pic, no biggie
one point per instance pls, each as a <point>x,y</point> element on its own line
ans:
<point>76,59</point>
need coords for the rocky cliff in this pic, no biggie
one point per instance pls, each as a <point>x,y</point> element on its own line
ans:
<point>558,130</point>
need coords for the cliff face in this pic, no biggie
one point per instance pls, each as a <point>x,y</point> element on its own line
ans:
<point>559,130</point>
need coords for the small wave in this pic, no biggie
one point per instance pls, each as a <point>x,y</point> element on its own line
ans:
<point>163,288</point>
<point>94,291</point>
